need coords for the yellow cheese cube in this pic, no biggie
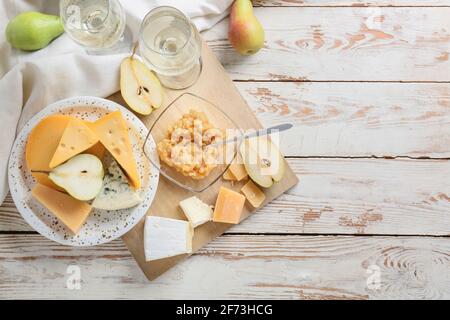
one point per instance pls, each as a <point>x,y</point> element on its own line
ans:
<point>238,171</point>
<point>72,212</point>
<point>253,194</point>
<point>229,206</point>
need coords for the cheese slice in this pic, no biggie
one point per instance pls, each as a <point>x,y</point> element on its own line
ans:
<point>116,193</point>
<point>165,237</point>
<point>238,171</point>
<point>253,194</point>
<point>71,212</point>
<point>196,211</point>
<point>229,206</point>
<point>41,146</point>
<point>77,137</point>
<point>113,134</point>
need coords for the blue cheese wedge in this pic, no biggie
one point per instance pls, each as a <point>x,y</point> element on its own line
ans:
<point>116,193</point>
<point>165,237</point>
<point>196,211</point>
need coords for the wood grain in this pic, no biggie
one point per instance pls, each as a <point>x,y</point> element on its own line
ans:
<point>347,196</point>
<point>235,267</point>
<point>356,119</point>
<point>343,44</point>
<point>350,3</point>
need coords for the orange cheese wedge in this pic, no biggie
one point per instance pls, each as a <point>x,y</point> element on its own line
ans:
<point>71,212</point>
<point>97,150</point>
<point>253,194</point>
<point>238,171</point>
<point>42,143</point>
<point>229,206</point>
<point>77,137</point>
<point>113,134</point>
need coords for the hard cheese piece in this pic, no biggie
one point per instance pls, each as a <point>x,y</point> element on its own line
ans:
<point>41,146</point>
<point>165,237</point>
<point>229,206</point>
<point>196,211</point>
<point>228,175</point>
<point>116,193</point>
<point>72,213</point>
<point>253,194</point>
<point>113,134</point>
<point>238,171</point>
<point>97,150</point>
<point>77,137</point>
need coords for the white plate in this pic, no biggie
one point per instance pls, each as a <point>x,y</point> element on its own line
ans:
<point>102,226</point>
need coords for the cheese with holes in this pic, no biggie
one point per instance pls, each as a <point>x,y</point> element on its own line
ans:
<point>77,137</point>
<point>166,237</point>
<point>196,211</point>
<point>116,193</point>
<point>113,134</point>
<point>71,212</point>
<point>253,194</point>
<point>41,146</point>
<point>229,206</point>
<point>238,171</point>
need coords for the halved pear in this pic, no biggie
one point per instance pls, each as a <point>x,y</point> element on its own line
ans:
<point>263,161</point>
<point>81,176</point>
<point>140,88</point>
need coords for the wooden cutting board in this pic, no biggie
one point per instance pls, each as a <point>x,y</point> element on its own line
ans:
<point>215,86</point>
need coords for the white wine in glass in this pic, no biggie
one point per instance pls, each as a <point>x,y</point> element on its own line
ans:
<point>170,44</point>
<point>97,25</point>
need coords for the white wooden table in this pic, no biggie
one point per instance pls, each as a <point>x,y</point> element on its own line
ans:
<point>367,85</point>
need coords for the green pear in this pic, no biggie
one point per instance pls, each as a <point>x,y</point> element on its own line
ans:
<point>33,30</point>
<point>245,32</point>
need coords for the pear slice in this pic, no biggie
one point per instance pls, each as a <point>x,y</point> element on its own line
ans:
<point>140,88</point>
<point>81,176</point>
<point>263,161</point>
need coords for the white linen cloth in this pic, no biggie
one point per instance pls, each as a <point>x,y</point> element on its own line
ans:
<point>29,81</point>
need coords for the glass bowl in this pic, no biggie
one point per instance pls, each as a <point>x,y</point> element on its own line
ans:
<point>226,152</point>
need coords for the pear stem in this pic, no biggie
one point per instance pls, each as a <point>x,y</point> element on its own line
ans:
<point>136,45</point>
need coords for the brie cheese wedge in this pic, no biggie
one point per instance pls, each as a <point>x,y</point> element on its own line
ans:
<point>116,193</point>
<point>196,211</point>
<point>166,237</point>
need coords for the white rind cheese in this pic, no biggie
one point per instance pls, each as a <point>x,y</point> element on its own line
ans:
<point>196,211</point>
<point>116,193</point>
<point>165,237</point>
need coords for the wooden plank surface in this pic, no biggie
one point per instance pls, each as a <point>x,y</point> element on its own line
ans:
<point>236,267</point>
<point>343,44</point>
<point>357,80</point>
<point>345,196</point>
<point>356,119</point>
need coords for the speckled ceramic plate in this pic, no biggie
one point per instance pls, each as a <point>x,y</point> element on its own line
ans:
<point>102,226</point>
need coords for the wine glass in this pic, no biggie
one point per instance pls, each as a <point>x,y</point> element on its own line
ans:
<point>97,25</point>
<point>170,44</point>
